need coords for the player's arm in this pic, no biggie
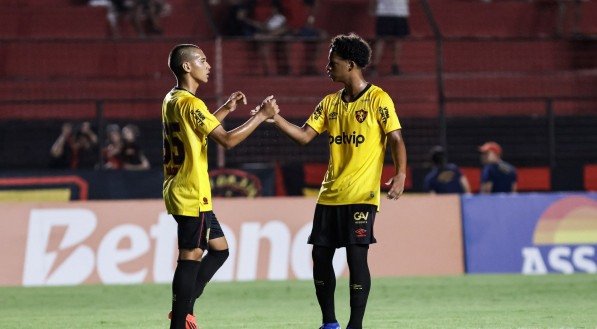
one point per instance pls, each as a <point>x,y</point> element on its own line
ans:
<point>86,129</point>
<point>398,149</point>
<point>58,147</point>
<point>230,105</point>
<point>302,135</point>
<point>514,187</point>
<point>229,139</point>
<point>466,187</point>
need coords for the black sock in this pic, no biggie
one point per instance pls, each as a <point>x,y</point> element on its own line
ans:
<point>360,283</point>
<point>183,284</point>
<point>325,281</point>
<point>210,264</point>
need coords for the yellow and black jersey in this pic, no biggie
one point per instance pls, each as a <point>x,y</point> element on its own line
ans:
<point>357,138</point>
<point>186,125</point>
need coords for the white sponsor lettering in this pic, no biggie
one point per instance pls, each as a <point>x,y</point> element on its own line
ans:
<point>582,259</point>
<point>74,260</point>
<point>164,234</point>
<point>226,272</point>
<point>109,255</point>
<point>561,259</point>
<point>532,261</point>
<point>278,236</point>
<point>558,259</point>
<point>78,225</point>
<point>361,216</point>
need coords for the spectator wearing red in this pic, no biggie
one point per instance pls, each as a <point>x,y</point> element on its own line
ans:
<point>497,176</point>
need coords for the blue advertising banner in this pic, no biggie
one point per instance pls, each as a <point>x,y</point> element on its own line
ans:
<point>530,233</point>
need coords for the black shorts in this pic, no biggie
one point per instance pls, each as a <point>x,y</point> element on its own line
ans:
<point>392,26</point>
<point>340,226</point>
<point>193,231</point>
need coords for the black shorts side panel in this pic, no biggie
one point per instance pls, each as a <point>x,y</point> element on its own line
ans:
<point>193,231</point>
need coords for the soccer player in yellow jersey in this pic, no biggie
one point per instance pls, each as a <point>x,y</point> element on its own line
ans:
<point>360,120</point>
<point>187,124</point>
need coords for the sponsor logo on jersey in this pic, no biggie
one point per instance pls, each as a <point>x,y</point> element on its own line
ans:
<point>318,112</point>
<point>361,115</point>
<point>333,115</point>
<point>198,116</point>
<point>347,139</point>
<point>384,114</point>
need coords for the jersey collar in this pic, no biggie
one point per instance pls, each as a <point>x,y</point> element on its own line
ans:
<point>358,96</point>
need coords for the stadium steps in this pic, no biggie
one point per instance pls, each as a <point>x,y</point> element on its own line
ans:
<point>88,67</point>
<point>560,84</point>
<point>83,59</point>
<point>53,22</point>
<point>509,18</point>
<point>518,55</point>
<point>50,19</point>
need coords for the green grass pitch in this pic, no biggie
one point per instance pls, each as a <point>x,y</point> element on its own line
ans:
<point>473,301</point>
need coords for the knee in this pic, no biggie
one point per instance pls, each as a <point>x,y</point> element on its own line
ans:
<point>190,254</point>
<point>322,255</point>
<point>221,255</point>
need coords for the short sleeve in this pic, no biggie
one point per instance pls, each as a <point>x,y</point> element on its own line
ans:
<point>386,114</point>
<point>200,119</point>
<point>317,120</point>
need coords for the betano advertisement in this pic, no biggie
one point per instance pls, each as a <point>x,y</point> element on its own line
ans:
<point>531,233</point>
<point>118,242</point>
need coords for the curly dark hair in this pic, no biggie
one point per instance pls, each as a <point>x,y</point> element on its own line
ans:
<point>353,48</point>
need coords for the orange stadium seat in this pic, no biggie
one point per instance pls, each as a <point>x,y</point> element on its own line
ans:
<point>473,174</point>
<point>590,177</point>
<point>534,179</point>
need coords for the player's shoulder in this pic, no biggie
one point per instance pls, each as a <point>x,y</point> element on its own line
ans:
<point>507,167</point>
<point>376,91</point>
<point>189,101</point>
<point>333,97</point>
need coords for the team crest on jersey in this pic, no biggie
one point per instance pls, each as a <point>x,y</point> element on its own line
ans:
<point>360,115</point>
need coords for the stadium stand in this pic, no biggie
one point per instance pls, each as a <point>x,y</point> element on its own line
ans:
<point>505,66</point>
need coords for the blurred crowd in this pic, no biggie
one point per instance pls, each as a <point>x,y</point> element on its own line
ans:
<point>77,147</point>
<point>143,15</point>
